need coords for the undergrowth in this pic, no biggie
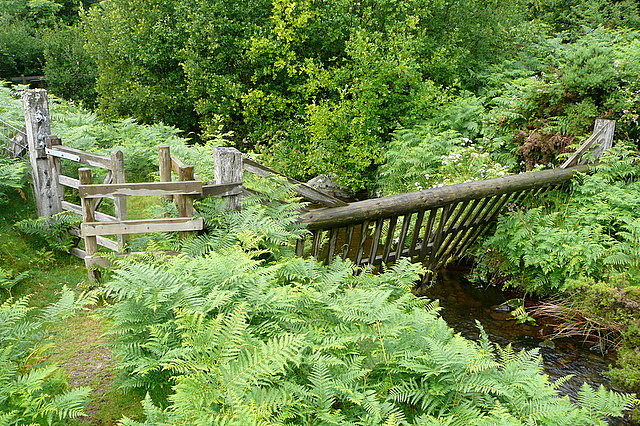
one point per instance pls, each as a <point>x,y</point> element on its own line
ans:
<point>584,246</point>
<point>240,331</point>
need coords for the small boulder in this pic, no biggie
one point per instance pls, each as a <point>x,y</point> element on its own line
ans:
<point>329,185</point>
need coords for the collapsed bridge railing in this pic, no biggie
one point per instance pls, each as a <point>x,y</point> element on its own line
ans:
<point>435,225</point>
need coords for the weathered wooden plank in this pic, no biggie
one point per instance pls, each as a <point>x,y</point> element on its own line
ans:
<point>439,235</point>
<point>406,222</point>
<point>375,241</point>
<point>96,261</point>
<point>102,241</point>
<point>220,191</point>
<point>600,140</point>
<point>416,232</point>
<point>396,205</point>
<point>101,217</point>
<point>605,140</point>
<point>302,189</point>
<point>142,226</point>
<point>68,181</point>
<point>78,252</point>
<point>333,240</point>
<point>426,236</point>
<point>141,189</point>
<point>81,157</point>
<point>317,242</point>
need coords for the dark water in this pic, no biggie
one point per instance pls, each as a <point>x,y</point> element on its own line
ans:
<point>464,303</point>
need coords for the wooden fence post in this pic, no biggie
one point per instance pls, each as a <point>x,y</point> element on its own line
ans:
<point>90,242</point>
<point>605,141</point>
<point>227,164</point>
<point>164,165</point>
<point>37,120</point>
<point>119,201</point>
<point>185,202</point>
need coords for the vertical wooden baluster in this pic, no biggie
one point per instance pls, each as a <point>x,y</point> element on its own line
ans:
<point>426,237</point>
<point>91,242</point>
<point>333,240</point>
<point>364,230</point>
<point>185,202</point>
<point>164,165</point>
<point>119,201</point>
<point>390,237</point>
<point>347,242</point>
<point>375,242</point>
<point>438,237</point>
<point>406,221</point>
<point>317,241</point>
<point>416,233</point>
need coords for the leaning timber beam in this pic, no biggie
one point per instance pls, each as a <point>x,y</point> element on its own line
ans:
<point>378,208</point>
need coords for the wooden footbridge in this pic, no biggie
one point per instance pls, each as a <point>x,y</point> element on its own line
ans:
<point>433,226</point>
<point>436,225</point>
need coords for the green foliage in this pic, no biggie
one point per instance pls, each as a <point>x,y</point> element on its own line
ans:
<point>8,279</point>
<point>592,233</point>
<point>13,176</point>
<point>53,231</point>
<point>423,157</point>
<point>32,391</point>
<point>316,86</point>
<point>242,333</point>
<point>23,24</point>
<point>69,71</point>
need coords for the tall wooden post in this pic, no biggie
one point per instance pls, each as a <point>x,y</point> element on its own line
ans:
<point>119,201</point>
<point>164,164</point>
<point>90,242</point>
<point>37,123</point>
<point>227,164</point>
<point>605,141</point>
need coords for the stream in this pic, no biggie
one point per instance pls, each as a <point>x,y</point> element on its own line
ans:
<point>464,303</point>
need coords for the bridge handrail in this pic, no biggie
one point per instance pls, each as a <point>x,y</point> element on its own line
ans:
<point>401,204</point>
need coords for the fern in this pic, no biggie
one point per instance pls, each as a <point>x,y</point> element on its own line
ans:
<point>32,392</point>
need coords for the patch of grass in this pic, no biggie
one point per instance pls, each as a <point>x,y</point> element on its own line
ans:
<point>47,272</point>
<point>80,349</point>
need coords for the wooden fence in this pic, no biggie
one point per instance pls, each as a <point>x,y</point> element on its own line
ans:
<point>431,226</point>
